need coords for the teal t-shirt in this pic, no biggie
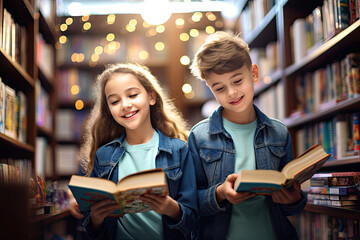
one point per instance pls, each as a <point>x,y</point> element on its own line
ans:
<point>145,225</point>
<point>250,219</point>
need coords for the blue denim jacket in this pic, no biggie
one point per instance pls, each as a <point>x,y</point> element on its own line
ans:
<point>214,157</point>
<point>174,159</point>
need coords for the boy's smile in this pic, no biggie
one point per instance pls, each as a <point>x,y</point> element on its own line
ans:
<point>235,91</point>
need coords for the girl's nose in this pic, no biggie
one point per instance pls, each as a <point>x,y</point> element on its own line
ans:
<point>126,104</point>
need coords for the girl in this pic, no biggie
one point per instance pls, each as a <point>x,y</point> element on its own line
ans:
<point>132,127</point>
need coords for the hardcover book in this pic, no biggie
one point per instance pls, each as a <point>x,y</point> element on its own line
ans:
<point>90,190</point>
<point>299,169</point>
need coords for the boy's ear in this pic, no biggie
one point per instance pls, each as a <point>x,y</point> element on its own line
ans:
<point>152,98</point>
<point>255,72</point>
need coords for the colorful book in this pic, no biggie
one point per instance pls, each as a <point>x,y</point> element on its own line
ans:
<point>344,190</point>
<point>333,179</point>
<point>312,196</point>
<point>335,203</point>
<point>297,170</point>
<point>90,190</point>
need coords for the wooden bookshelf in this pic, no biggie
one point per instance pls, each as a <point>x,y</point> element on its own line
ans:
<point>22,73</point>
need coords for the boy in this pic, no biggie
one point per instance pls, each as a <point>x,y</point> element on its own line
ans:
<point>238,136</point>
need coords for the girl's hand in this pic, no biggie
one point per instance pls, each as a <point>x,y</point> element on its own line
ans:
<point>286,196</point>
<point>100,211</point>
<point>75,209</point>
<point>74,206</point>
<point>163,205</point>
<point>226,191</point>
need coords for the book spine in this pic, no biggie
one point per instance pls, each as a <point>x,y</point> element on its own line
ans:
<point>356,131</point>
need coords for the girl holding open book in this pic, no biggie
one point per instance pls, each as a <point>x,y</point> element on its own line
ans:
<point>133,127</point>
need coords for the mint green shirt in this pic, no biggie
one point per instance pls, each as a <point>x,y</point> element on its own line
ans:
<point>144,225</point>
<point>250,219</point>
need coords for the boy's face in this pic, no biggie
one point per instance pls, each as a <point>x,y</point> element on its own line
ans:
<point>235,91</point>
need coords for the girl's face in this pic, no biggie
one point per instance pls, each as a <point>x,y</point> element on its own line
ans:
<point>129,102</point>
<point>235,91</point>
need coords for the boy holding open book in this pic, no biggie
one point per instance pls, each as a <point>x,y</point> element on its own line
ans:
<point>238,136</point>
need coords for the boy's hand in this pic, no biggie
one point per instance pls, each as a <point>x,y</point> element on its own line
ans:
<point>100,211</point>
<point>226,191</point>
<point>163,205</point>
<point>286,196</point>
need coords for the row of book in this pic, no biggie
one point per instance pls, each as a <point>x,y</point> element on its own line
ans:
<point>322,88</point>
<point>267,60</point>
<point>253,14</point>
<point>339,136</point>
<point>83,80</point>
<point>43,112</point>
<point>339,189</point>
<point>325,227</point>
<point>15,171</point>
<point>13,112</point>
<point>323,23</point>
<point>272,101</point>
<point>45,55</point>
<point>13,39</point>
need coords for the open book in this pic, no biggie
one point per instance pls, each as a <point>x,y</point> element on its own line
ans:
<point>89,190</point>
<point>300,169</point>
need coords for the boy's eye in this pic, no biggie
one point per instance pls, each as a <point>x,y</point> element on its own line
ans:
<point>238,81</point>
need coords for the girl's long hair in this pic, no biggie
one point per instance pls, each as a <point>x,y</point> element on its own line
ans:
<point>101,127</point>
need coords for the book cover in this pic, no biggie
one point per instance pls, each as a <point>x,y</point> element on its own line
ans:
<point>89,190</point>
<point>299,169</point>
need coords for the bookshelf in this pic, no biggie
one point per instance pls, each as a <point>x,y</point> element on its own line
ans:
<point>27,60</point>
<point>319,57</point>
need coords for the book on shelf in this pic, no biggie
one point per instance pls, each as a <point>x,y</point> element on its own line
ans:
<point>90,190</point>
<point>342,190</point>
<point>298,170</point>
<point>2,106</point>
<point>335,203</point>
<point>312,196</point>
<point>332,179</point>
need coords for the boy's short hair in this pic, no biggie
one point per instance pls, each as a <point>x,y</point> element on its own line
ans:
<point>221,53</point>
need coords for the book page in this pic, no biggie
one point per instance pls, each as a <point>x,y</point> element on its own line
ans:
<point>143,179</point>
<point>261,176</point>
<point>93,183</point>
<point>306,165</point>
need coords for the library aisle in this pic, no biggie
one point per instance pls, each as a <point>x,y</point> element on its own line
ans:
<point>309,61</point>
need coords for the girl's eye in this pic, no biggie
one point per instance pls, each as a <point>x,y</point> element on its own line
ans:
<point>219,89</point>
<point>114,102</point>
<point>133,95</point>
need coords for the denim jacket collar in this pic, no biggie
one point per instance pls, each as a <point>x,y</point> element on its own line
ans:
<point>216,125</point>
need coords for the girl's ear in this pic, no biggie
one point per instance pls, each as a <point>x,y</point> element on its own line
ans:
<point>152,98</point>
